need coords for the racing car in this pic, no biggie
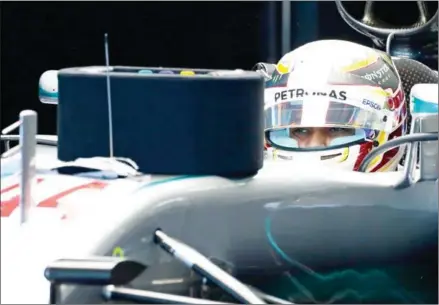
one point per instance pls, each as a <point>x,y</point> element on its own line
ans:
<point>101,230</point>
<point>81,225</point>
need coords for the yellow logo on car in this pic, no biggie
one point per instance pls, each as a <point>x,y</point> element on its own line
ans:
<point>118,252</point>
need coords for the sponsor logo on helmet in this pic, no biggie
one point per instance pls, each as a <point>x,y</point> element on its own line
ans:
<point>291,94</point>
<point>371,104</point>
<point>378,75</point>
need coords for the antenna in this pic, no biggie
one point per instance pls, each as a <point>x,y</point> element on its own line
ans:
<point>110,114</point>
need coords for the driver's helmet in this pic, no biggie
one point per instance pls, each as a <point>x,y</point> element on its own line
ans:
<point>332,102</point>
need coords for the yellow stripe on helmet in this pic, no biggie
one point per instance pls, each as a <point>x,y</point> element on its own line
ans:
<point>381,139</point>
<point>344,155</point>
<point>361,63</point>
<point>282,68</point>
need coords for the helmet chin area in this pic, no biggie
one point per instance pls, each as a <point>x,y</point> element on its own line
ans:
<point>341,158</point>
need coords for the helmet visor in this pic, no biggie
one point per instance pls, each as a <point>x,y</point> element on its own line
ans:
<point>295,125</point>
<point>315,138</point>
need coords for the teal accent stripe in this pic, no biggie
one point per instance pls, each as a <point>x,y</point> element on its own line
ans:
<point>420,106</point>
<point>166,180</point>
<point>45,93</point>
<point>274,244</point>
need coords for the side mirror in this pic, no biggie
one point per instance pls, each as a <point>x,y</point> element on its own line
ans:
<point>48,87</point>
<point>424,108</point>
<point>92,271</point>
<point>424,99</point>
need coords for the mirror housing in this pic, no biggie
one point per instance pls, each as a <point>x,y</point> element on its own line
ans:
<point>424,109</point>
<point>48,87</point>
<point>93,271</point>
<point>424,99</point>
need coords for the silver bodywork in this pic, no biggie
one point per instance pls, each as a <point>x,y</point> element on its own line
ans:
<point>314,212</point>
<point>315,225</point>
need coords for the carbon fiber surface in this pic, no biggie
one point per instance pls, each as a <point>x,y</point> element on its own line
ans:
<point>413,72</point>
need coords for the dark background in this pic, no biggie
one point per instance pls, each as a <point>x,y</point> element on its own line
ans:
<point>38,36</point>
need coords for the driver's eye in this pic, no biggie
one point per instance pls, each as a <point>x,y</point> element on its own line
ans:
<point>341,131</point>
<point>300,132</point>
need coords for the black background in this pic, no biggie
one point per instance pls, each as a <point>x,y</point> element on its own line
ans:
<point>38,36</point>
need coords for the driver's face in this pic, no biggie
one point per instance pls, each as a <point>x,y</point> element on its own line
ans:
<point>308,137</point>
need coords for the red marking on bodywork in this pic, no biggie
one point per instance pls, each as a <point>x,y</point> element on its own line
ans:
<point>8,206</point>
<point>52,202</point>
<point>14,186</point>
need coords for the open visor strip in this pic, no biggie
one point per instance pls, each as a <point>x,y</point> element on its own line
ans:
<point>280,138</point>
<point>325,113</point>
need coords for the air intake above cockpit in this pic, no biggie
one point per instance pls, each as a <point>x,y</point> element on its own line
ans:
<point>168,123</point>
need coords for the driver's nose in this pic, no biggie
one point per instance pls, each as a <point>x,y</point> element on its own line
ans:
<point>318,138</point>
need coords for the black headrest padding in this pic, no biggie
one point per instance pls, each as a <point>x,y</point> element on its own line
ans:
<point>413,72</point>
